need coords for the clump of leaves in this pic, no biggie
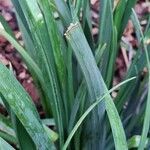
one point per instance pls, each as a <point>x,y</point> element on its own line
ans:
<point>73,74</point>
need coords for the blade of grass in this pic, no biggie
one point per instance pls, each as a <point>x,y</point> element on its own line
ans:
<point>5,25</point>
<point>63,10</point>
<point>57,49</point>
<point>99,53</point>
<point>148,25</point>
<point>138,114</point>
<point>31,48</point>
<point>105,25</point>
<point>24,139</point>
<point>53,136</point>
<point>87,23</point>
<point>127,13</point>
<point>27,38</point>
<point>134,141</point>
<point>48,122</point>
<point>21,104</point>
<point>119,12</point>
<point>97,86</point>
<point>79,122</point>
<point>147,111</point>
<point>94,88</point>
<point>6,126</point>
<point>55,39</point>
<point>112,58</point>
<point>24,54</point>
<point>80,100</point>
<point>105,36</point>
<point>8,138</point>
<point>24,27</point>
<point>29,61</point>
<point>135,69</point>
<point>80,96</point>
<point>78,7</point>
<point>41,39</point>
<point>4,145</point>
<point>6,130</point>
<point>21,15</point>
<point>70,77</point>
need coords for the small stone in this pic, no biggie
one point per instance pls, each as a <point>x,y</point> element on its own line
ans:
<point>3,60</point>
<point>22,75</point>
<point>7,16</point>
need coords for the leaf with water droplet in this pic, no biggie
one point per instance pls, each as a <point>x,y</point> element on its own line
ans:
<point>23,107</point>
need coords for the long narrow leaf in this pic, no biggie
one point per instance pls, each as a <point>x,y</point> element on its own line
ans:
<point>24,54</point>
<point>90,109</point>
<point>41,40</point>
<point>64,11</point>
<point>4,145</point>
<point>95,83</point>
<point>105,36</point>
<point>21,104</point>
<point>147,111</point>
<point>57,49</point>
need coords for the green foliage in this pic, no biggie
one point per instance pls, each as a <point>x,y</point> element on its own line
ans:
<point>74,75</point>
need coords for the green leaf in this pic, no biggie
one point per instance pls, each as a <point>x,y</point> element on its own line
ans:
<point>5,25</point>
<point>8,138</point>
<point>55,39</point>
<point>77,40</point>
<point>82,90</point>
<point>78,7</point>
<point>96,86</point>
<point>57,48</point>
<point>6,126</point>
<point>106,31</point>
<point>24,139</point>
<point>21,104</point>
<point>48,122</point>
<point>70,84</point>
<point>105,25</point>
<point>119,12</point>
<point>79,122</point>
<point>112,58</point>
<point>46,62</point>
<point>4,145</point>
<point>63,10</point>
<point>134,141</point>
<point>53,136</point>
<point>32,65</point>
<point>147,111</point>
<point>127,13</point>
<point>87,23</point>
<point>6,130</point>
